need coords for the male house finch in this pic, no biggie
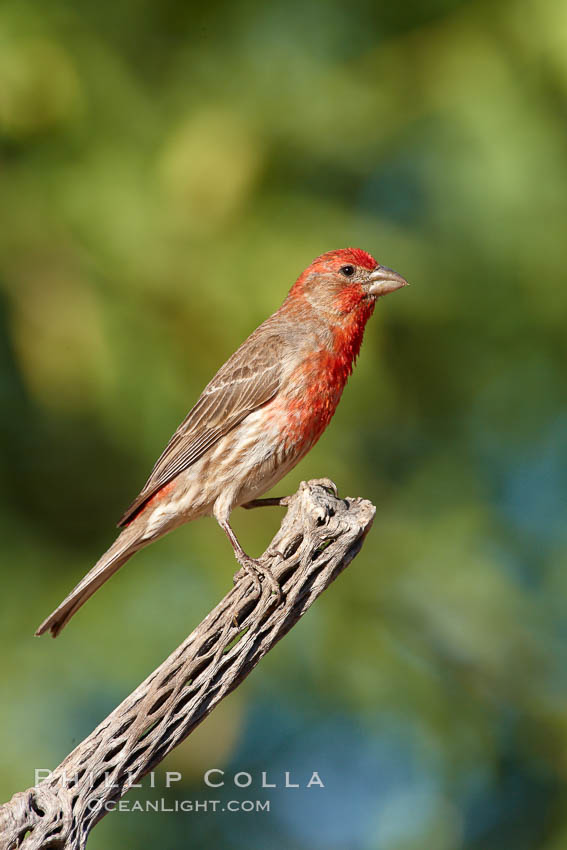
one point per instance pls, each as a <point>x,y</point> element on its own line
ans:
<point>260,414</point>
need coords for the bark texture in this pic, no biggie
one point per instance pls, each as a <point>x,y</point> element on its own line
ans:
<point>318,538</point>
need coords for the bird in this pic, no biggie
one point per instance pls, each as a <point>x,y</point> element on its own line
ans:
<point>261,413</point>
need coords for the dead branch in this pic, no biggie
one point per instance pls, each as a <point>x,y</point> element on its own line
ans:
<point>318,538</point>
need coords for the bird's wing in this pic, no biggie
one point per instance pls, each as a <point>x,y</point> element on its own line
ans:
<point>248,380</point>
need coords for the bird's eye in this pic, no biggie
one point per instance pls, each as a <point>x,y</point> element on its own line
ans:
<point>348,271</point>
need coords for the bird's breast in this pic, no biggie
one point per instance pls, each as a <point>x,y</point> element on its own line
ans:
<point>310,399</point>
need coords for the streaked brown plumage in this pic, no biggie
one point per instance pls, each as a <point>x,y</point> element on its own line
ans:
<point>259,415</point>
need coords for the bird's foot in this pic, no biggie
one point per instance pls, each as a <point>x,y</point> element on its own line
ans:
<point>257,572</point>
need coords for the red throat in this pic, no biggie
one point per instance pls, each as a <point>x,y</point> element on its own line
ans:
<point>323,380</point>
<point>348,335</point>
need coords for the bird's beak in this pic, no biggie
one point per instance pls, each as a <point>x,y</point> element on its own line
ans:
<point>384,280</point>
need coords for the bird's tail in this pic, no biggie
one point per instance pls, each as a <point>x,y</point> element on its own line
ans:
<point>121,550</point>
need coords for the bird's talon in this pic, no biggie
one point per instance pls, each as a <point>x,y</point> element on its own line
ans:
<point>258,572</point>
<point>277,592</point>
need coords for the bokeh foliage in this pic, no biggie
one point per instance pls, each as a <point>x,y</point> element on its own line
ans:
<point>166,170</point>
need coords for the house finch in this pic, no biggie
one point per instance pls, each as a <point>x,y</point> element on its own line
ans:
<point>260,414</point>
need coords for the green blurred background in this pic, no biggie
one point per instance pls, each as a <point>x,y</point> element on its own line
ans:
<point>166,171</point>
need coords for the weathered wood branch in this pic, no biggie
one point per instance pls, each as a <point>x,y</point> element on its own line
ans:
<point>318,538</point>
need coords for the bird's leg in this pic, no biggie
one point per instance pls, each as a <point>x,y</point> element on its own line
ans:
<point>266,503</point>
<point>251,566</point>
